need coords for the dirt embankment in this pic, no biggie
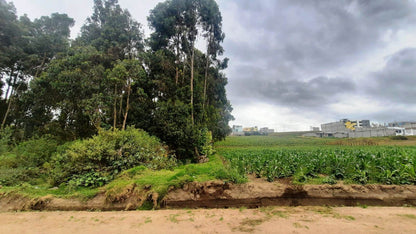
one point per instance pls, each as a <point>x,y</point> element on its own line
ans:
<point>218,194</point>
<point>129,199</point>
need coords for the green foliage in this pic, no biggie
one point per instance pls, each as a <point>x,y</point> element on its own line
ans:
<point>112,30</point>
<point>94,161</point>
<point>399,138</point>
<point>205,142</point>
<point>160,181</point>
<point>173,91</point>
<point>36,152</point>
<point>90,179</point>
<point>26,162</point>
<point>16,176</point>
<point>385,165</point>
<point>5,140</point>
<point>173,126</point>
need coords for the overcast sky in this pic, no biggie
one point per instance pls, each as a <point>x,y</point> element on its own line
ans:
<point>295,63</point>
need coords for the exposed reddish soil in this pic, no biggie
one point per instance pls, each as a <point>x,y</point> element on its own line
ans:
<point>304,219</point>
<point>257,193</point>
<point>218,194</point>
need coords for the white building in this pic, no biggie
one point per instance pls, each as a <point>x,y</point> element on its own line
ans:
<point>237,130</point>
<point>409,127</point>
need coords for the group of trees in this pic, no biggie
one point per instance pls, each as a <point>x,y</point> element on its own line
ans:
<point>110,76</point>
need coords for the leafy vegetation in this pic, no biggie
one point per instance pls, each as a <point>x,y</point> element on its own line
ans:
<point>90,162</point>
<point>111,76</point>
<point>161,180</point>
<point>95,161</point>
<point>321,163</point>
<point>78,112</point>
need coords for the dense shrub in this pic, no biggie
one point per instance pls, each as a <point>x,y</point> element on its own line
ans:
<point>36,152</point>
<point>27,161</point>
<point>205,142</point>
<point>17,176</point>
<point>96,160</point>
<point>5,140</point>
<point>400,138</point>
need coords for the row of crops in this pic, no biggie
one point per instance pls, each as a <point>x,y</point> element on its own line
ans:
<point>385,165</point>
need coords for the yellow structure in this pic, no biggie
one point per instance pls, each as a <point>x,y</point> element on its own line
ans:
<point>350,125</point>
<point>251,129</point>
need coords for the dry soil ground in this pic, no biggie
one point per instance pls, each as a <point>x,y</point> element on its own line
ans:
<point>262,220</point>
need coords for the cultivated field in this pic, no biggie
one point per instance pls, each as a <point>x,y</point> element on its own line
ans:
<point>328,160</point>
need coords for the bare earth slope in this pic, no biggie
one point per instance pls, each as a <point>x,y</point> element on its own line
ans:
<point>258,192</point>
<point>219,194</point>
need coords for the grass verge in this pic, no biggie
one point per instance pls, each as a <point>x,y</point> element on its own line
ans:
<point>160,181</point>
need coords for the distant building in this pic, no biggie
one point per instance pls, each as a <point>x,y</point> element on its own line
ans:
<point>363,128</point>
<point>376,132</point>
<point>314,129</point>
<point>251,129</point>
<point>237,130</point>
<point>409,127</point>
<point>266,130</point>
<point>335,126</point>
<point>345,126</point>
<point>364,123</point>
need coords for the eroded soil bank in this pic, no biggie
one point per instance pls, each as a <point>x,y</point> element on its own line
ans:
<point>219,194</point>
<point>257,193</point>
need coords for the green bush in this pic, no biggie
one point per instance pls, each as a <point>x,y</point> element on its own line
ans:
<point>205,142</point>
<point>5,140</point>
<point>27,161</point>
<point>400,138</point>
<point>16,176</point>
<point>36,152</point>
<point>95,161</point>
<point>8,160</point>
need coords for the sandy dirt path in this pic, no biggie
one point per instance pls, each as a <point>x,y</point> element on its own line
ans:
<point>261,220</point>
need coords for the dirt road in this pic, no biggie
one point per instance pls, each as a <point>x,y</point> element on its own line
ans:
<point>261,220</point>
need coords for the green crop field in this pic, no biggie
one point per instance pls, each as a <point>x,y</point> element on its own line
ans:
<point>315,160</point>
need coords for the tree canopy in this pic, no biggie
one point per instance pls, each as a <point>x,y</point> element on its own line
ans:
<point>111,77</point>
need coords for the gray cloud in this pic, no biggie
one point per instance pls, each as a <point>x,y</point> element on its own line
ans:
<point>315,35</point>
<point>288,53</point>
<point>311,94</point>
<point>396,82</point>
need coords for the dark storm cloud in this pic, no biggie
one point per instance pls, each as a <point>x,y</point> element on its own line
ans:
<point>280,45</point>
<point>315,35</point>
<point>311,94</point>
<point>396,82</point>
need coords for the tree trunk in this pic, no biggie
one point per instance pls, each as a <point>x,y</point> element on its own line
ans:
<point>9,104</point>
<point>205,81</point>
<point>127,106</point>
<point>115,108</point>
<point>176,74</point>
<point>8,85</point>
<point>6,114</point>
<point>41,65</point>
<point>97,121</point>
<point>177,63</point>
<point>183,72</point>
<point>192,85</point>
<point>120,110</point>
